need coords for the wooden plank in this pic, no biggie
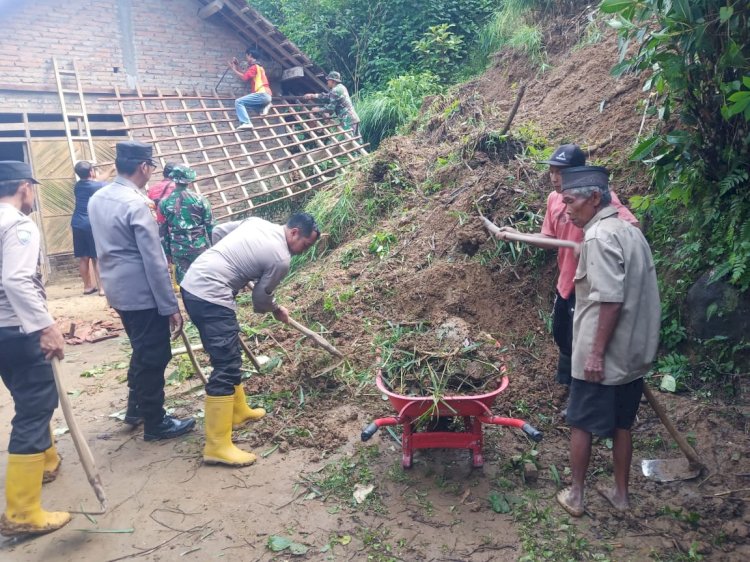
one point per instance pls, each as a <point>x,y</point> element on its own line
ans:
<point>278,163</point>
<point>338,166</point>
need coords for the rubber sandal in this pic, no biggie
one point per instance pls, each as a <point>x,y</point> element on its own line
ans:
<point>91,291</point>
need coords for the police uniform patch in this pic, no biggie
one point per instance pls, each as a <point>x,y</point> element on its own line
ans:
<point>24,234</point>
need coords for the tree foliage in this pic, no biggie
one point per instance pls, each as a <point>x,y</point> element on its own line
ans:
<point>372,41</point>
<point>697,56</point>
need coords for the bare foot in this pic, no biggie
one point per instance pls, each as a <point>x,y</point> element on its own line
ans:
<point>611,495</point>
<point>569,503</point>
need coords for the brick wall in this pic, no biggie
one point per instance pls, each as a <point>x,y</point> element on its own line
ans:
<point>173,47</point>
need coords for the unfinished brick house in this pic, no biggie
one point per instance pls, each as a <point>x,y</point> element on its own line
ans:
<point>77,76</point>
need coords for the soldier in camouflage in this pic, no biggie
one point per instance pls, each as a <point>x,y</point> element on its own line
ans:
<point>186,231</point>
<point>339,102</point>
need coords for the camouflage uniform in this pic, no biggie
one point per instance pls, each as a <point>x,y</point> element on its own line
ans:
<point>186,231</point>
<point>339,103</point>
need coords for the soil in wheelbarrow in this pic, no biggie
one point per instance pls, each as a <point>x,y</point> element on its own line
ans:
<point>442,362</point>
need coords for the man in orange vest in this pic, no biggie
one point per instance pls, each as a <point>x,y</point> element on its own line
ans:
<point>260,92</point>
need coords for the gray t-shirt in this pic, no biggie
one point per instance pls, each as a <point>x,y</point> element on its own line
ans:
<point>22,298</point>
<point>255,250</point>
<point>132,263</point>
<point>221,230</point>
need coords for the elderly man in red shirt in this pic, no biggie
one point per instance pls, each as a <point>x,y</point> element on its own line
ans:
<point>260,92</point>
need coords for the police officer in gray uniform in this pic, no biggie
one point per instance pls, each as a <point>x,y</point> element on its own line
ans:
<point>29,338</point>
<point>135,276</point>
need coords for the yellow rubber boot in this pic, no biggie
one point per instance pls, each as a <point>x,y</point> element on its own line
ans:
<point>23,493</point>
<point>219,447</point>
<point>51,461</point>
<point>242,413</point>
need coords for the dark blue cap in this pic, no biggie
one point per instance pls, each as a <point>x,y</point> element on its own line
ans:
<point>585,176</point>
<point>135,151</point>
<point>15,170</point>
<point>567,155</point>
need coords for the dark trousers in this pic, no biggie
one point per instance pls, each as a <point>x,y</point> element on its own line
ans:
<point>219,332</point>
<point>29,378</point>
<point>562,332</point>
<point>149,337</point>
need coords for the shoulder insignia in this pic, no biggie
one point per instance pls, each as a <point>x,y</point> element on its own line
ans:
<point>24,234</point>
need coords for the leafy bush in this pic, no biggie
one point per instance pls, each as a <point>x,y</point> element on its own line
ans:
<point>698,56</point>
<point>697,59</point>
<point>383,112</point>
<point>438,45</point>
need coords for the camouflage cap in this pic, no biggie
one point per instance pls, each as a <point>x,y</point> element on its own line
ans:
<point>182,174</point>
<point>334,76</point>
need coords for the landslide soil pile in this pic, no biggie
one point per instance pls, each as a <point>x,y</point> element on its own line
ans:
<point>426,259</point>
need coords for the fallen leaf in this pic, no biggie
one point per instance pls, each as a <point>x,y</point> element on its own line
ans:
<point>297,549</point>
<point>277,543</point>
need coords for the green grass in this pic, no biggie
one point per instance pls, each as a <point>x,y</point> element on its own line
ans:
<point>382,113</point>
<point>337,480</point>
<point>509,27</point>
<point>546,535</point>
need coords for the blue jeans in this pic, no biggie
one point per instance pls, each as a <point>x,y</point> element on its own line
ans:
<point>256,101</point>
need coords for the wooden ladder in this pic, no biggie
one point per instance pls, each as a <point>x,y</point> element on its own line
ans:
<point>78,106</point>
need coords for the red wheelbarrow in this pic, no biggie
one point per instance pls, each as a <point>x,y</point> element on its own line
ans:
<point>475,411</point>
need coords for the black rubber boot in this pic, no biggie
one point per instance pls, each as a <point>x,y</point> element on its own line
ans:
<point>132,414</point>
<point>169,428</point>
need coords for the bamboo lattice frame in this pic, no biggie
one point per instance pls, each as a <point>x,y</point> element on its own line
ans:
<point>292,150</point>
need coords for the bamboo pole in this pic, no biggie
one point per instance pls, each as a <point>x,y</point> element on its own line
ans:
<point>84,452</point>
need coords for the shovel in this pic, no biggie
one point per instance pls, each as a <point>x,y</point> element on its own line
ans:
<point>669,470</point>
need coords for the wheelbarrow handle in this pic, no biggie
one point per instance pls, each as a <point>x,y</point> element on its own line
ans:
<point>370,430</point>
<point>535,435</point>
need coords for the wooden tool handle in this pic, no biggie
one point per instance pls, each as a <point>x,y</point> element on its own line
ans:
<point>317,338</point>
<point>193,360</point>
<point>545,242</point>
<point>87,459</point>
<point>692,456</point>
<point>249,353</point>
